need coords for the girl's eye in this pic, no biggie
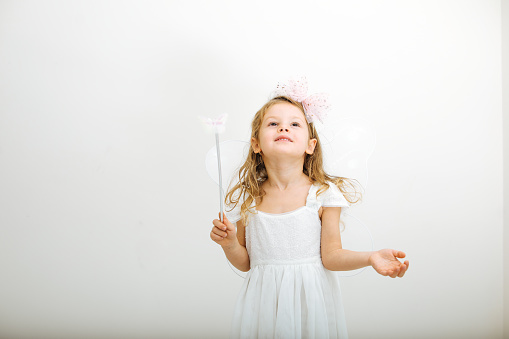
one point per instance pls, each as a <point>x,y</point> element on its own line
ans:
<point>272,124</point>
<point>296,124</point>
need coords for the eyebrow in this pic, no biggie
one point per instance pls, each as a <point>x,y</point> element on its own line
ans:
<point>295,117</point>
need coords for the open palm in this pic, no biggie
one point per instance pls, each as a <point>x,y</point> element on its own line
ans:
<point>386,263</point>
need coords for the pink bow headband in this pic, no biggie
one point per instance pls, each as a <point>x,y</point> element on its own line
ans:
<point>315,105</point>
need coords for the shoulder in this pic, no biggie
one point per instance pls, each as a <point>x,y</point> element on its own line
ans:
<point>233,210</point>
<point>323,197</point>
<point>330,196</point>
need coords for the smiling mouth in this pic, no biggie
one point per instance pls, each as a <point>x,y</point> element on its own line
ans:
<point>284,139</point>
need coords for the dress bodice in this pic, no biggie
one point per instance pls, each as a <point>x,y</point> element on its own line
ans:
<point>292,236</point>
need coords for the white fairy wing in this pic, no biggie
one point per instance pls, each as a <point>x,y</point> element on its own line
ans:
<point>347,145</point>
<point>233,154</point>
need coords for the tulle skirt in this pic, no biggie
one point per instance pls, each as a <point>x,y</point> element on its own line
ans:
<point>289,299</point>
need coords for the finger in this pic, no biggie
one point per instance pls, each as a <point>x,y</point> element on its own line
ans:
<point>215,237</point>
<point>407,264</point>
<point>219,214</point>
<point>402,271</point>
<point>220,233</point>
<point>398,254</point>
<point>223,218</point>
<point>219,224</point>
<point>394,273</point>
<point>227,222</point>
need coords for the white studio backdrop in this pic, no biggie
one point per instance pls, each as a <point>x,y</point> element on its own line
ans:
<point>105,205</point>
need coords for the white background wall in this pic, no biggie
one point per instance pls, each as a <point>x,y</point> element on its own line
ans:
<point>505,113</point>
<point>105,205</point>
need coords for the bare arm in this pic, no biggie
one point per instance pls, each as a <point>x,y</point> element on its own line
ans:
<point>232,241</point>
<point>335,258</point>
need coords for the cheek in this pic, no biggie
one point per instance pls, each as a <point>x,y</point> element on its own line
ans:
<point>265,135</point>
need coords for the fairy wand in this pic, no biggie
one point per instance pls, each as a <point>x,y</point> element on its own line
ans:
<point>217,126</point>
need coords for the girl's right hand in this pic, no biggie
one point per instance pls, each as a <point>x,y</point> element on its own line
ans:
<point>224,233</point>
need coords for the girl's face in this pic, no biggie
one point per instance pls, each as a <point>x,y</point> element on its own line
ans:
<point>284,131</point>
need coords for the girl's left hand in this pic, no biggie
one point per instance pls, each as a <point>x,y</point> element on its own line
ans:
<point>386,263</point>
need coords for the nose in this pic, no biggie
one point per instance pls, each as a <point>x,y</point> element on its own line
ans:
<point>281,129</point>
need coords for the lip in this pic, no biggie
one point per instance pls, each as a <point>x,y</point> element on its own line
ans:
<point>283,137</point>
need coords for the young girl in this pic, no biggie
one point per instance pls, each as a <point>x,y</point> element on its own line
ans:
<point>287,213</point>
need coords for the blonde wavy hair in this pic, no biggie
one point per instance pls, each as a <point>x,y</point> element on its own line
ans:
<point>252,173</point>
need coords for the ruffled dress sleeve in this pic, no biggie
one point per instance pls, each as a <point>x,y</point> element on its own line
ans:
<point>233,215</point>
<point>332,197</point>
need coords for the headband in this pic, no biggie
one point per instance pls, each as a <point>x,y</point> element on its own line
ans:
<point>315,106</point>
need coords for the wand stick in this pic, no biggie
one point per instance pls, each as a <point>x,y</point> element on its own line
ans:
<point>217,125</point>
<point>220,176</point>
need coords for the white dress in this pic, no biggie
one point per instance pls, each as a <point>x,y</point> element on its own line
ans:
<point>288,293</point>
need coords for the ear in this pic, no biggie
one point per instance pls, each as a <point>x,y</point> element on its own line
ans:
<point>311,146</point>
<point>255,145</point>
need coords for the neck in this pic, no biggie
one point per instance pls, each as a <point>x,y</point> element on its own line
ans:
<point>285,174</point>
